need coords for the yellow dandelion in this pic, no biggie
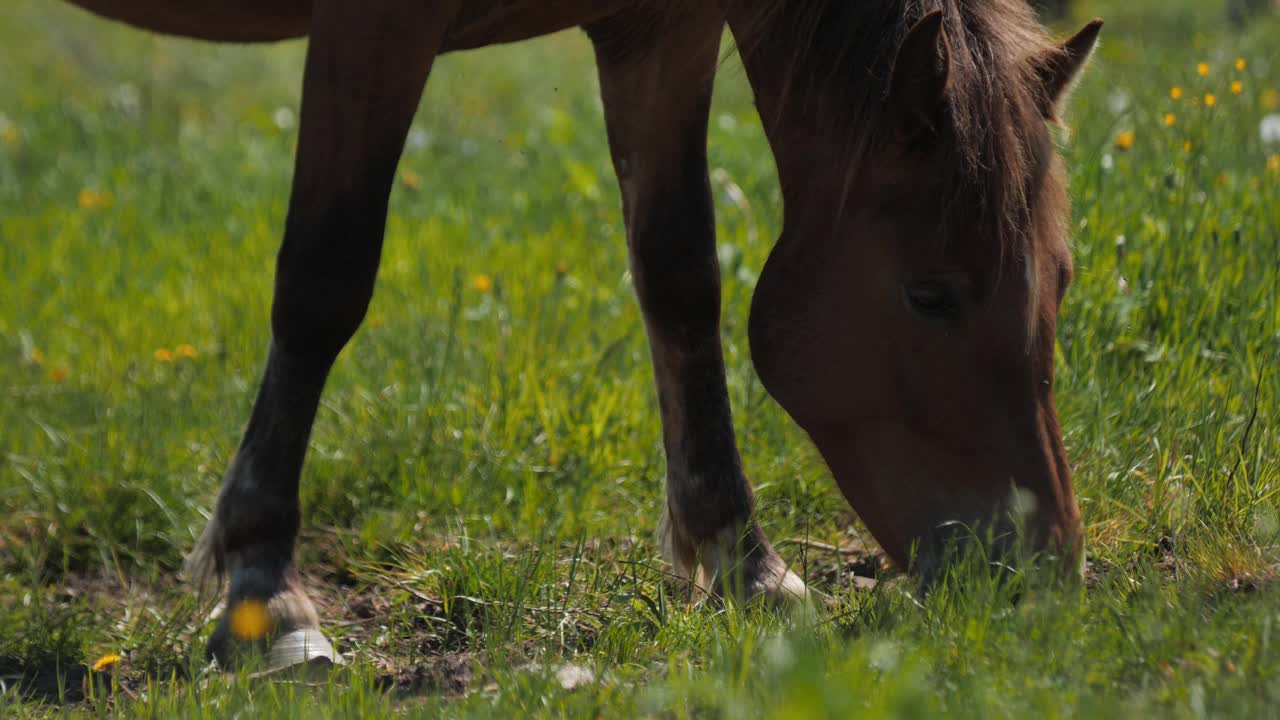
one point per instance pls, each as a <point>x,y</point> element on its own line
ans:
<point>106,662</point>
<point>58,374</point>
<point>1186,146</point>
<point>1237,87</point>
<point>163,355</point>
<point>562,268</point>
<point>1202,69</point>
<point>483,283</point>
<point>411,179</point>
<point>185,351</point>
<point>1240,64</point>
<point>1124,140</point>
<point>9,134</point>
<point>1175,92</point>
<point>93,200</point>
<point>1210,99</point>
<point>37,357</point>
<point>1271,99</point>
<point>250,620</point>
<point>1273,163</point>
<point>1170,119</point>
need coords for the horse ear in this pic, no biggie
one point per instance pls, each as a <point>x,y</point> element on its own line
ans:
<point>918,83</point>
<point>1058,67</point>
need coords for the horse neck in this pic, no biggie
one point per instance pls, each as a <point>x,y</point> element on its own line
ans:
<point>811,133</point>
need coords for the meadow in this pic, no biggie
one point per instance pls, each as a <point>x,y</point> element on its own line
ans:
<point>485,476</point>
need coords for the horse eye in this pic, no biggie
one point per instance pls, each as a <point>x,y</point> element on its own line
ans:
<point>932,299</point>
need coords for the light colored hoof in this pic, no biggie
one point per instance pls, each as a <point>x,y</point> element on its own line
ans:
<point>304,646</point>
<point>792,588</point>
<point>787,591</point>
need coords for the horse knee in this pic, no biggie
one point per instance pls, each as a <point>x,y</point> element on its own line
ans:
<point>674,264</point>
<point>316,311</point>
<point>325,273</point>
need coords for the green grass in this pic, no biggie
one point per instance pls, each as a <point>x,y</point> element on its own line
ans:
<point>485,474</point>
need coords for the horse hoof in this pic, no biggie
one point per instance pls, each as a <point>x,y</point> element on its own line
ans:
<point>769,581</point>
<point>244,636</point>
<point>780,592</point>
<point>792,588</point>
<point>305,650</point>
<point>302,647</point>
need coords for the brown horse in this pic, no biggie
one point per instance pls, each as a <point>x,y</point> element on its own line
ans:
<point>905,319</point>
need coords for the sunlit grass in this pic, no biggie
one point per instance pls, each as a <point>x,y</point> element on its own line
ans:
<point>485,474</point>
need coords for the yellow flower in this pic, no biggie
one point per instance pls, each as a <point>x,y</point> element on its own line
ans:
<point>185,350</point>
<point>37,357</point>
<point>1271,99</point>
<point>1186,146</point>
<point>163,355</point>
<point>562,268</point>
<point>93,200</point>
<point>1240,64</point>
<point>106,661</point>
<point>1210,99</point>
<point>1170,119</point>
<point>410,179</point>
<point>250,620</point>
<point>1175,92</point>
<point>58,374</point>
<point>483,283</point>
<point>1124,140</point>
<point>1202,69</point>
<point>1273,163</point>
<point>1237,87</point>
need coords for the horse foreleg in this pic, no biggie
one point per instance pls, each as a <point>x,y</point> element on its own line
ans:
<point>656,76</point>
<point>365,69</point>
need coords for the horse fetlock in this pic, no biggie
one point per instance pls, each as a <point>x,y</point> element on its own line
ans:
<point>248,523</point>
<point>258,510</point>
<point>701,503</point>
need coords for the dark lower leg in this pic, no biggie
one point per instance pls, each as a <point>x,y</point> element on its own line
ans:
<point>708,529</point>
<point>657,92</point>
<point>364,75</point>
<point>321,296</point>
<point>250,537</point>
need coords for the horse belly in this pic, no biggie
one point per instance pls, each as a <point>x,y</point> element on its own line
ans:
<point>216,20</point>
<point>479,22</point>
<point>489,22</point>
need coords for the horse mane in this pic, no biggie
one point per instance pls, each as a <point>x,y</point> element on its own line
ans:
<point>841,62</point>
